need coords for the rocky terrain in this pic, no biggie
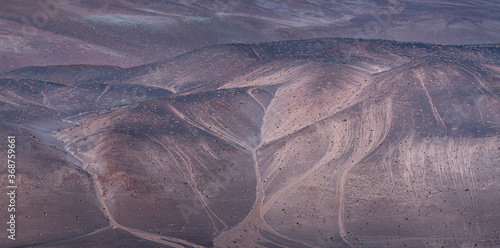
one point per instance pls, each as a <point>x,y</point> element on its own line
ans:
<point>330,142</point>
<point>134,32</point>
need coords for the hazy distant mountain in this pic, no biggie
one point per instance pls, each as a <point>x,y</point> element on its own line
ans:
<point>307,143</point>
<point>132,32</point>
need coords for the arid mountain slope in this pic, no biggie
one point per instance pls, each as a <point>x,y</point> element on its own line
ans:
<point>131,33</point>
<point>307,143</point>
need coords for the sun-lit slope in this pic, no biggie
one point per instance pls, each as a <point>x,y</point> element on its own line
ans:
<point>325,142</point>
<point>310,193</point>
<point>432,179</point>
<point>425,190</point>
<point>455,97</point>
<point>315,92</point>
<point>55,196</point>
<point>317,126</point>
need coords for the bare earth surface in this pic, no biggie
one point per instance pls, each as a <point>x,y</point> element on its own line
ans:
<point>310,143</point>
<point>130,32</point>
